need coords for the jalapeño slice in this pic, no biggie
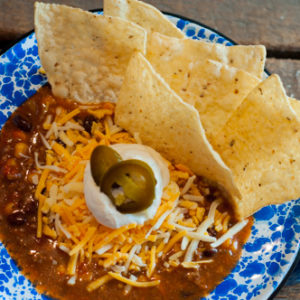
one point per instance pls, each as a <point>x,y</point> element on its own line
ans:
<point>130,185</point>
<point>102,158</point>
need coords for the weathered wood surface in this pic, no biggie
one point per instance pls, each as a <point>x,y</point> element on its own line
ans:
<point>273,23</point>
<point>289,71</point>
<point>289,293</point>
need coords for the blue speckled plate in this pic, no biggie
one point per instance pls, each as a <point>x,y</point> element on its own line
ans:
<point>275,238</point>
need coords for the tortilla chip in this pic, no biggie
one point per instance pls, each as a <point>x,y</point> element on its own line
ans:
<point>143,14</point>
<point>295,104</point>
<point>215,90</point>
<point>261,145</point>
<point>85,55</point>
<point>172,57</point>
<point>148,106</point>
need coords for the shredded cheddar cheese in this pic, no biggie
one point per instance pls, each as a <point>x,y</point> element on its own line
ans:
<point>180,221</point>
<point>143,284</point>
<point>99,282</point>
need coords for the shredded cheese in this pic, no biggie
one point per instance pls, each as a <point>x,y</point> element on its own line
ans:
<point>188,184</point>
<point>68,116</point>
<point>195,264</point>
<point>130,256</point>
<point>201,230</point>
<point>97,283</point>
<point>71,269</point>
<point>173,240</point>
<point>141,284</point>
<point>230,233</point>
<point>152,261</point>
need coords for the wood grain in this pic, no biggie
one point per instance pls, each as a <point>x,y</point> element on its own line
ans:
<point>267,22</point>
<point>289,293</point>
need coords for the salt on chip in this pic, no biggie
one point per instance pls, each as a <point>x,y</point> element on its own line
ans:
<point>143,14</point>
<point>261,145</point>
<point>149,107</point>
<point>173,58</point>
<point>85,55</point>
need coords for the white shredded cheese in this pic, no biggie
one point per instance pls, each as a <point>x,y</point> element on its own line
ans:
<point>73,187</point>
<point>184,243</point>
<point>72,280</point>
<point>59,226</point>
<point>188,185</point>
<point>176,255</point>
<point>45,142</point>
<point>70,125</point>
<point>35,179</point>
<point>118,269</point>
<point>132,277</point>
<point>65,139</point>
<point>115,129</point>
<point>158,222</point>
<point>201,230</point>
<point>130,256</point>
<point>103,249</point>
<point>138,261</point>
<point>195,198</point>
<point>181,227</point>
<point>201,237</point>
<point>53,130</point>
<point>51,168</point>
<point>195,264</point>
<point>230,233</point>
<point>64,249</point>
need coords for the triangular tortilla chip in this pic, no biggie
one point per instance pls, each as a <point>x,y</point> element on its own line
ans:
<point>143,14</point>
<point>85,55</point>
<point>215,90</point>
<point>148,106</point>
<point>172,57</point>
<point>261,145</point>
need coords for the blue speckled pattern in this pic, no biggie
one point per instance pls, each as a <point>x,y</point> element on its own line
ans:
<point>274,241</point>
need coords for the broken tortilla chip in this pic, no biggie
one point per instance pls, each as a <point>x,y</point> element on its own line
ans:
<point>148,106</point>
<point>143,14</point>
<point>85,56</point>
<point>261,145</point>
<point>173,58</point>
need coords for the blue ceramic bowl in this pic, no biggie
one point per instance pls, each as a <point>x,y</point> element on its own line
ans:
<point>272,248</point>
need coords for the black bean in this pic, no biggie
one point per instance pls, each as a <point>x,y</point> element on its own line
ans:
<point>59,141</point>
<point>115,185</point>
<point>16,218</point>
<point>210,252</point>
<point>22,123</point>
<point>186,294</point>
<point>30,205</point>
<point>211,197</point>
<point>212,231</point>
<point>88,123</point>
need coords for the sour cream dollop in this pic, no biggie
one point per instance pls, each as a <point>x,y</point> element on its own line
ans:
<point>102,207</point>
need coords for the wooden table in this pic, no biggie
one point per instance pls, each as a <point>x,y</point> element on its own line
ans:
<point>273,23</point>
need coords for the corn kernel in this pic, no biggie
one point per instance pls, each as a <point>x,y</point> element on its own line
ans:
<point>20,149</point>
